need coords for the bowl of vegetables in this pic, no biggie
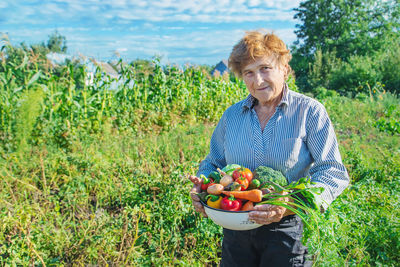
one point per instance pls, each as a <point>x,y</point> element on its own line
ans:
<point>229,195</point>
<point>233,220</point>
<point>228,199</point>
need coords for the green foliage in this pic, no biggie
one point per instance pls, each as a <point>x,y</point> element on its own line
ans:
<point>118,198</point>
<point>144,100</point>
<point>28,111</point>
<point>355,75</point>
<point>347,46</point>
<point>102,180</point>
<point>389,65</point>
<point>57,43</point>
<point>291,82</point>
<point>323,93</point>
<point>112,199</point>
<point>347,26</point>
<point>390,121</point>
<point>321,69</point>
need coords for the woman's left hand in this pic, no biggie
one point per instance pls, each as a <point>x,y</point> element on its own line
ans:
<point>266,214</point>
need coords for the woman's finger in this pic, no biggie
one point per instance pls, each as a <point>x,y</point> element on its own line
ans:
<point>195,180</point>
<point>193,192</point>
<point>199,208</point>
<point>264,207</point>
<point>266,217</point>
<point>262,215</point>
<point>194,196</point>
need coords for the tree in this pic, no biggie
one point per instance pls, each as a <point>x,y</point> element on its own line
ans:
<point>351,27</point>
<point>347,45</point>
<point>57,43</point>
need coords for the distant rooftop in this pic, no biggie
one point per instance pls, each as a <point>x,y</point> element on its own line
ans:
<point>221,68</point>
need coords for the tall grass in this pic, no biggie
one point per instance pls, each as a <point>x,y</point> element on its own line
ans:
<point>147,101</point>
<point>27,112</point>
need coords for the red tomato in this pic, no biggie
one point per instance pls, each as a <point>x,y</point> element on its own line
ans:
<point>236,174</point>
<point>231,204</point>
<point>242,172</point>
<point>244,183</point>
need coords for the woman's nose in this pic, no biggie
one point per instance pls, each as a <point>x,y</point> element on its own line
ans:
<point>259,78</point>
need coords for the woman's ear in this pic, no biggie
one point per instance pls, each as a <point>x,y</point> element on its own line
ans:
<point>286,71</point>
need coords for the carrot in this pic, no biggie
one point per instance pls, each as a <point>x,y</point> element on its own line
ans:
<point>254,195</point>
<point>249,205</point>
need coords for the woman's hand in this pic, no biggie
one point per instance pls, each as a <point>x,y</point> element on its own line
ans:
<point>266,214</point>
<point>195,199</point>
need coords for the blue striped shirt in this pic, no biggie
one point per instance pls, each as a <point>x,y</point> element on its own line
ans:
<point>299,140</point>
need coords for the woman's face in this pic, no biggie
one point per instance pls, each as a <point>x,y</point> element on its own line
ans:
<point>264,78</point>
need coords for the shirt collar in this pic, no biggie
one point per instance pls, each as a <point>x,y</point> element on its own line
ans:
<point>285,96</point>
<point>250,101</point>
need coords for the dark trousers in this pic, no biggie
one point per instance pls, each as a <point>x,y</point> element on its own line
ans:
<point>276,244</point>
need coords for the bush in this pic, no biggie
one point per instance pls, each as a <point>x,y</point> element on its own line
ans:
<point>321,69</point>
<point>321,92</point>
<point>355,75</point>
<point>390,67</point>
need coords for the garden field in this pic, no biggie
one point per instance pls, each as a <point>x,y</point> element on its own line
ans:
<point>92,176</point>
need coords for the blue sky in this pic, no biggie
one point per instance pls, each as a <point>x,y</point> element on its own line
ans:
<point>181,31</point>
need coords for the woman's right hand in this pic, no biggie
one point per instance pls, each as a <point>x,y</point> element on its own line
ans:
<point>193,194</point>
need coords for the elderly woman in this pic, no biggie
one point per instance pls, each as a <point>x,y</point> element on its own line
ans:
<point>278,128</point>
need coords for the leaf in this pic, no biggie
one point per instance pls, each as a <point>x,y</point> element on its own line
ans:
<point>300,186</point>
<point>24,62</point>
<point>3,79</point>
<point>77,104</point>
<point>17,89</point>
<point>34,78</point>
<point>276,186</point>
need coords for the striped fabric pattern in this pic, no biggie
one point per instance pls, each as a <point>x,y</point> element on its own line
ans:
<point>299,140</point>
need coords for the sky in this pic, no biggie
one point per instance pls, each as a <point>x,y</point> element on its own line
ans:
<point>180,32</point>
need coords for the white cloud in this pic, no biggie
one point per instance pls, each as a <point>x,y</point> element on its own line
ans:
<point>175,28</point>
<point>139,28</point>
<point>164,10</point>
<point>67,30</point>
<point>254,3</point>
<point>51,8</point>
<point>282,4</point>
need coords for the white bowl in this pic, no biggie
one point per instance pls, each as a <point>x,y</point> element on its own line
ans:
<point>233,220</point>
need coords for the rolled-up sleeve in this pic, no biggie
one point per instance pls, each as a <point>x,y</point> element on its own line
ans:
<point>327,170</point>
<point>216,158</point>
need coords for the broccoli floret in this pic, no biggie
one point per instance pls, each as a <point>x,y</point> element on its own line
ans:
<point>265,174</point>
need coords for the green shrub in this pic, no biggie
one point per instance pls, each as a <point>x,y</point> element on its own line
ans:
<point>352,76</point>
<point>355,75</point>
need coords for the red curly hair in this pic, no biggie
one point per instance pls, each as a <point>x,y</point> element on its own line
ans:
<point>255,45</point>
